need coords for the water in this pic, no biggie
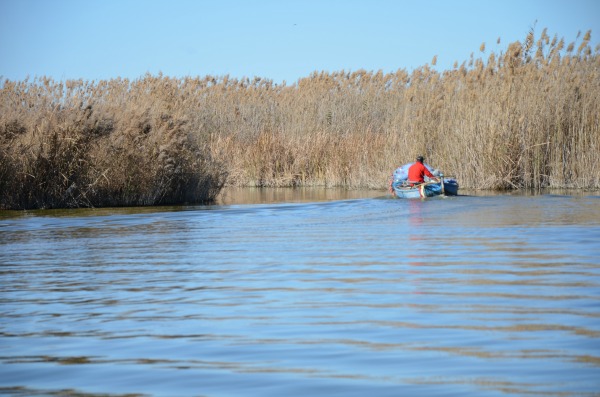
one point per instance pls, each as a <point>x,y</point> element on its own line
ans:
<point>477,295</point>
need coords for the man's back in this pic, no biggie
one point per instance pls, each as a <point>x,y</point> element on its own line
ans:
<point>417,171</point>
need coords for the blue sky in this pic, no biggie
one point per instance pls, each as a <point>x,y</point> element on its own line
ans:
<point>278,40</point>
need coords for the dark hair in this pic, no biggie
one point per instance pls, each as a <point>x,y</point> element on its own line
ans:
<point>420,159</point>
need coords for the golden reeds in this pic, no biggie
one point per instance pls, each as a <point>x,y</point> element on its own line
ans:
<point>112,143</point>
<point>528,117</point>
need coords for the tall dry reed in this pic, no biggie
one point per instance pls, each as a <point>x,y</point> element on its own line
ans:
<point>525,117</point>
<point>115,143</point>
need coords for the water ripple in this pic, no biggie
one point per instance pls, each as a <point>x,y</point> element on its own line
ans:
<point>494,295</point>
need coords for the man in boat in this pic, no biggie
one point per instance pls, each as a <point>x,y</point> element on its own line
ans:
<point>417,172</point>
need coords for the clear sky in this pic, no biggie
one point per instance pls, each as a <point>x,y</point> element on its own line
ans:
<point>273,39</point>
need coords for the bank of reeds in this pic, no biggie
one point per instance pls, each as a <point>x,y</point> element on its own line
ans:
<point>87,144</point>
<point>525,117</point>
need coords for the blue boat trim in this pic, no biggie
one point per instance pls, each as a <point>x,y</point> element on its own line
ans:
<point>428,189</point>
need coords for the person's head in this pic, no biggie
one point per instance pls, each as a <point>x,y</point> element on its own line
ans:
<point>420,159</point>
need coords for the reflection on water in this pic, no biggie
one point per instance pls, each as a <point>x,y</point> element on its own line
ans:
<point>233,195</point>
<point>471,295</point>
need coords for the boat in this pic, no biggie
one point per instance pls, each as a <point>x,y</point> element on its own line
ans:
<point>401,187</point>
<point>446,187</point>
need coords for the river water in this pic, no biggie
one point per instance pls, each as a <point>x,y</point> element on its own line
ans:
<point>288,293</point>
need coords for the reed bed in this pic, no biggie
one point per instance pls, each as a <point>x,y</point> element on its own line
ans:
<point>525,117</point>
<point>110,143</point>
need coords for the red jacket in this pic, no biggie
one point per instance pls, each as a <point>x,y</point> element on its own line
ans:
<point>417,171</point>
